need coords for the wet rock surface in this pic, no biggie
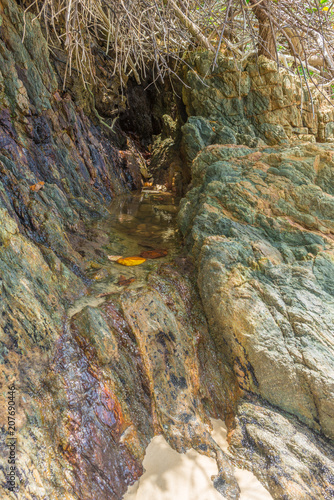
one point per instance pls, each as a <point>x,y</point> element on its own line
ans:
<point>75,438</point>
<point>103,357</point>
<point>101,369</point>
<point>47,140</point>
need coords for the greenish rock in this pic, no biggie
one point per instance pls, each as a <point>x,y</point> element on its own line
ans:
<point>273,134</point>
<point>58,170</point>
<point>253,105</point>
<point>99,371</point>
<point>259,225</point>
<point>283,452</point>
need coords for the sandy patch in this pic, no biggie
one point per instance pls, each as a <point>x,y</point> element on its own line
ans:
<point>173,476</point>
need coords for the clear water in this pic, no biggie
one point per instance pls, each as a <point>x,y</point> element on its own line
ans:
<point>137,223</point>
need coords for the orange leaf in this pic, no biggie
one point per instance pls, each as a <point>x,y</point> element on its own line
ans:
<point>154,254</point>
<point>123,281</point>
<point>131,261</point>
<point>37,187</point>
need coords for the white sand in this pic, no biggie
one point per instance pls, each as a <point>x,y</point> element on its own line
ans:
<point>173,476</point>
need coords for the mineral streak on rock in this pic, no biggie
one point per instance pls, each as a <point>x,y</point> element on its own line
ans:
<point>71,427</point>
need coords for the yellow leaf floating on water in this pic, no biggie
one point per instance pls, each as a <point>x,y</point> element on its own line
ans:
<point>131,261</point>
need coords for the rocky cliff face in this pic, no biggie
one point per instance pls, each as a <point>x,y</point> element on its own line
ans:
<point>57,170</point>
<point>259,223</point>
<point>45,138</point>
<point>96,374</point>
<point>99,367</point>
<point>241,103</point>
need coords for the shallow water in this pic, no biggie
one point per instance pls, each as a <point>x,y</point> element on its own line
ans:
<point>140,222</point>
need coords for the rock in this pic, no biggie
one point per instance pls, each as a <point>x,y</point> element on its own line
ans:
<point>282,453</point>
<point>135,164</point>
<point>89,396</point>
<point>165,164</point>
<point>231,104</point>
<point>97,375</point>
<point>200,132</point>
<point>273,134</point>
<point>261,237</point>
<point>46,141</point>
<point>62,401</point>
<point>137,118</point>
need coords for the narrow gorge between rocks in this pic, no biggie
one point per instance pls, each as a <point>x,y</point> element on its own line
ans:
<point>209,363</point>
